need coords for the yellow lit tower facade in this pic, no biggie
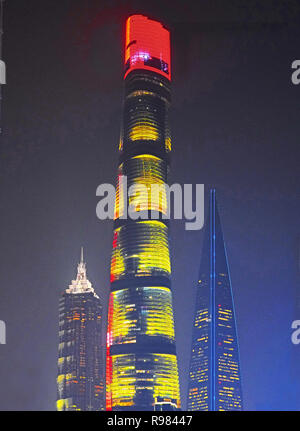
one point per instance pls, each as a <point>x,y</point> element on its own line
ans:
<point>214,373</point>
<point>80,379</point>
<point>141,368</point>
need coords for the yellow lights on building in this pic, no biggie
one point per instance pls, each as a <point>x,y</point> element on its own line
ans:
<point>140,249</point>
<point>120,192</point>
<point>139,93</point>
<point>64,378</point>
<point>65,404</point>
<point>168,144</point>
<point>201,318</point>
<point>157,313</point>
<point>144,123</point>
<point>130,375</point>
<point>149,174</point>
<point>141,311</point>
<point>123,380</point>
<point>214,377</point>
<point>166,377</point>
<point>151,171</point>
<point>140,315</point>
<point>198,398</point>
<point>123,319</point>
<point>146,114</point>
<point>117,258</point>
<point>80,379</point>
<point>145,130</point>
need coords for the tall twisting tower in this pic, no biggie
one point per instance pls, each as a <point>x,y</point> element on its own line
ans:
<point>141,371</point>
<point>214,375</point>
<point>80,379</point>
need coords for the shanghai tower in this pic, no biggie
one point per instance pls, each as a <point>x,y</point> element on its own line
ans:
<point>214,374</point>
<point>141,369</point>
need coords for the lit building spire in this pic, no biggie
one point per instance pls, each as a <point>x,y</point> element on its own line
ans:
<point>214,373</point>
<point>81,284</point>
<point>80,365</point>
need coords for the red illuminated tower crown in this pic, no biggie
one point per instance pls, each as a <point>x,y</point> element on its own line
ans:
<point>147,46</point>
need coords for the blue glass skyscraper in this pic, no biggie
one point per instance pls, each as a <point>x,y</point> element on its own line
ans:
<point>214,373</point>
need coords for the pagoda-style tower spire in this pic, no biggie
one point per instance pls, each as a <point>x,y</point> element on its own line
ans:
<point>81,284</point>
<point>80,379</point>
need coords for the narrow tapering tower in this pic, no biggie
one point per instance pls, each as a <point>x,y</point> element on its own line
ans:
<point>214,374</point>
<point>80,380</point>
<point>141,371</point>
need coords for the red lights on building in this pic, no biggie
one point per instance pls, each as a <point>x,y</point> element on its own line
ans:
<point>109,369</point>
<point>147,46</point>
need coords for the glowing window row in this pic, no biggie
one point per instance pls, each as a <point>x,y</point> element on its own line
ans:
<point>140,249</point>
<point>161,381</point>
<point>140,311</point>
<point>144,170</point>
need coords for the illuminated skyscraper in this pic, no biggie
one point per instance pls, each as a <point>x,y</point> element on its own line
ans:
<point>80,380</point>
<point>141,370</point>
<point>214,374</point>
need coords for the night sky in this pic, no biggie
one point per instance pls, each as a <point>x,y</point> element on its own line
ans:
<point>235,126</point>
